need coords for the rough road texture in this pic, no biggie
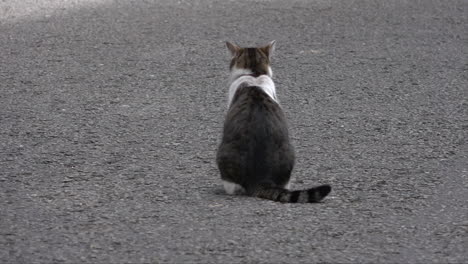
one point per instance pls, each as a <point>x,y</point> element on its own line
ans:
<point>111,112</point>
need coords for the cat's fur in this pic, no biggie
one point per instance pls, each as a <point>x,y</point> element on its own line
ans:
<point>256,156</point>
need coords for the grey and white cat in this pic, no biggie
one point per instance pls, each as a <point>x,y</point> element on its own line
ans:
<point>255,156</point>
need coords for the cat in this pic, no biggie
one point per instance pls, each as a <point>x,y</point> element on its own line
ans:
<point>255,156</point>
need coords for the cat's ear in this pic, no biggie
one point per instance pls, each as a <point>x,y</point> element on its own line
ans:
<point>269,49</point>
<point>233,48</point>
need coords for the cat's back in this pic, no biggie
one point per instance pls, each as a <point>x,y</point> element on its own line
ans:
<point>255,122</point>
<point>255,146</point>
<point>253,108</point>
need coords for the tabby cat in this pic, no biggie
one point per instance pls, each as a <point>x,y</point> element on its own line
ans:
<point>255,156</point>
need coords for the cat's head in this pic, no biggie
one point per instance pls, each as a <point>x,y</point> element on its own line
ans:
<point>253,60</point>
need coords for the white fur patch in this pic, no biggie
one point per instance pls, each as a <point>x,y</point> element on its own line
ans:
<point>232,188</point>
<point>288,185</point>
<point>240,76</point>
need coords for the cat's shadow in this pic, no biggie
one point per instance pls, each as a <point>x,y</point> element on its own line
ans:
<point>219,191</point>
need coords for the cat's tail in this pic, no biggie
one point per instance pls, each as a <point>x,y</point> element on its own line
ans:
<point>278,194</point>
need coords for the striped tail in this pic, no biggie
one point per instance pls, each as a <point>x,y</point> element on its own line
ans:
<point>278,194</point>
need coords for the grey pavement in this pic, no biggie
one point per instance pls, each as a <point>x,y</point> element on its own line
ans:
<point>111,112</point>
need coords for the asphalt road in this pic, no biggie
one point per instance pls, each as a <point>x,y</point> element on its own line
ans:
<point>111,112</point>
